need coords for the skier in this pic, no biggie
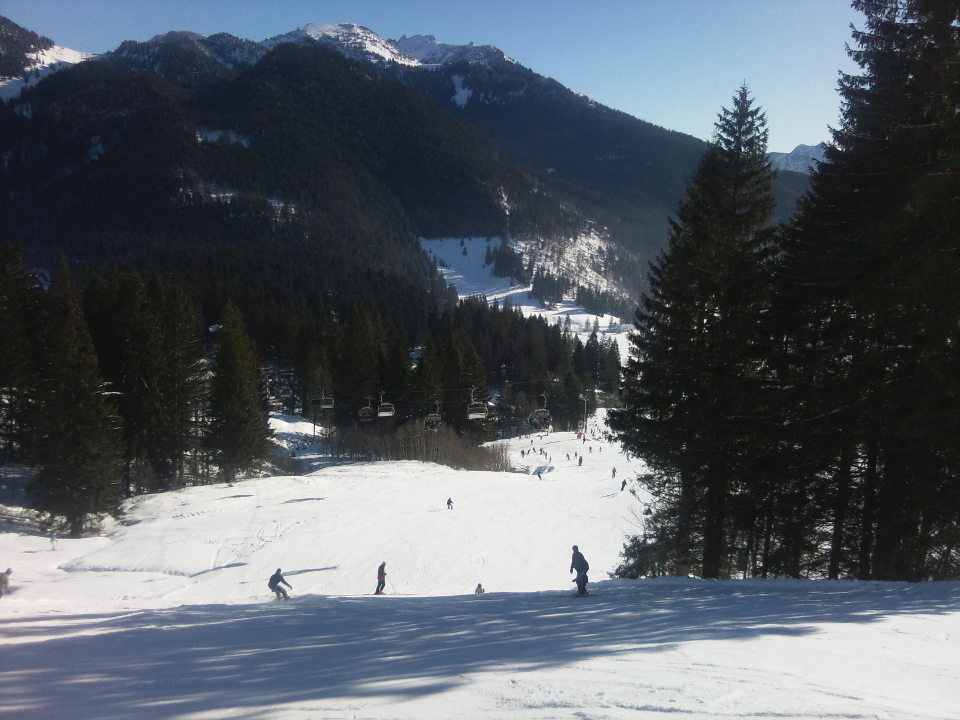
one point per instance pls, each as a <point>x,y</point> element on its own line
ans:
<point>381,578</point>
<point>580,461</point>
<point>623,484</point>
<point>274,584</point>
<point>449,503</point>
<point>479,590</point>
<point>613,473</point>
<point>579,563</point>
<point>5,582</point>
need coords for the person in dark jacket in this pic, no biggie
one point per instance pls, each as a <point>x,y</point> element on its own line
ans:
<point>579,563</point>
<point>381,578</point>
<point>274,584</point>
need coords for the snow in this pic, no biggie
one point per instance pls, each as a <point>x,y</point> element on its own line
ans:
<point>42,63</point>
<point>473,279</point>
<point>350,37</point>
<point>166,614</point>
<point>427,50</point>
<point>461,93</point>
<point>802,159</point>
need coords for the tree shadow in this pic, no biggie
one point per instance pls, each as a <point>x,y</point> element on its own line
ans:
<point>196,659</point>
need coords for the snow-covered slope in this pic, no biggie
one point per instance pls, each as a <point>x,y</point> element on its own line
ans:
<point>353,40</point>
<point>802,159</point>
<point>167,615</point>
<point>427,50</point>
<point>461,262</point>
<point>42,63</point>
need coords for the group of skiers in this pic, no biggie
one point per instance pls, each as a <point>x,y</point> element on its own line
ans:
<point>578,562</point>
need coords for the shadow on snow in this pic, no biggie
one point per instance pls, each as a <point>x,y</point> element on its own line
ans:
<point>153,664</point>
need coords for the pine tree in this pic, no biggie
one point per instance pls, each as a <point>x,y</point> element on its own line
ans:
<point>73,429</point>
<point>869,298</point>
<point>691,388</point>
<point>239,429</point>
<point>19,318</point>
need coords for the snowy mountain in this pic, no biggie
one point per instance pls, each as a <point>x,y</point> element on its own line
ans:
<point>426,50</point>
<point>592,194</point>
<point>354,41</point>
<point>166,614</point>
<point>40,64</point>
<point>802,159</point>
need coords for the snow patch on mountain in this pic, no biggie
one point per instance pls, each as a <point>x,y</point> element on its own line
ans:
<point>427,50</point>
<point>225,137</point>
<point>802,159</point>
<point>461,262</point>
<point>41,64</point>
<point>461,94</point>
<point>353,40</point>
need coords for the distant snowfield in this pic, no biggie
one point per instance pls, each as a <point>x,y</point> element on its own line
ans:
<point>167,614</point>
<point>473,279</point>
<point>45,62</point>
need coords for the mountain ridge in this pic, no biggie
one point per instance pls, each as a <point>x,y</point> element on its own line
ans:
<point>622,177</point>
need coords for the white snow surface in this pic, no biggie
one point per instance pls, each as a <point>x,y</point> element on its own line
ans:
<point>472,278</point>
<point>354,38</point>
<point>166,614</point>
<point>802,159</point>
<point>427,50</point>
<point>42,63</point>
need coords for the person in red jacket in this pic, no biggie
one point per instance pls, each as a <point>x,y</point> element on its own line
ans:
<point>381,578</point>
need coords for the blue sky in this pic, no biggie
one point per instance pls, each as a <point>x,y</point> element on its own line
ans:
<point>674,63</point>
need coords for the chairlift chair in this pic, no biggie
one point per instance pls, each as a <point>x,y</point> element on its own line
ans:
<point>365,414</point>
<point>540,419</point>
<point>476,411</point>
<point>385,409</point>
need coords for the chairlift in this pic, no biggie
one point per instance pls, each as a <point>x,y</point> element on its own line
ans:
<point>385,409</point>
<point>323,402</point>
<point>476,410</point>
<point>365,414</point>
<point>433,421</point>
<point>540,418</point>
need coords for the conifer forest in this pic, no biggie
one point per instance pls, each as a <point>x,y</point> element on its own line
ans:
<point>792,388</point>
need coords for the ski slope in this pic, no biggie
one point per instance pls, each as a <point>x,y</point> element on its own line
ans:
<point>167,614</point>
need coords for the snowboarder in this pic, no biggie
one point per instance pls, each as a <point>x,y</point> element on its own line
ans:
<point>449,503</point>
<point>53,541</point>
<point>381,578</point>
<point>579,563</point>
<point>5,582</point>
<point>479,590</point>
<point>274,584</point>
<point>623,484</point>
